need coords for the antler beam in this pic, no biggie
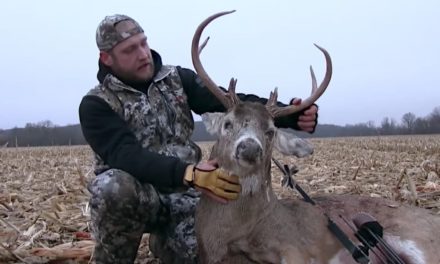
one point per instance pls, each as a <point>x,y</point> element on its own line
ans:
<point>277,111</point>
<point>227,99</point>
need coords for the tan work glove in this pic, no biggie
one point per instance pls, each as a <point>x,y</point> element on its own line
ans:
<point>208,177</point>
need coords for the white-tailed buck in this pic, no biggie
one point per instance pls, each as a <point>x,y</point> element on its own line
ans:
<point>259,228</point>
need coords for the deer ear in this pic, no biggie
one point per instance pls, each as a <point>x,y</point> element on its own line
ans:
<point>212,122</point>
<point>289,144</point>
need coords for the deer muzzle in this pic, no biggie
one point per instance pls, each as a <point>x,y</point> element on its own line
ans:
<point>249,150</point>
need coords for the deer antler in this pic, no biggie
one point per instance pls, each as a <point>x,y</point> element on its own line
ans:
<point>227,99</point>
<point>230,98</point>
<point>277,111</point>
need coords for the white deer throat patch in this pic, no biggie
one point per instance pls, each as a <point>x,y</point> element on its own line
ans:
<point>250,185</point>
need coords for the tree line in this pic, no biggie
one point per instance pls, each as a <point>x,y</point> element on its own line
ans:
<point>45,133</point>
<point>409,124</point>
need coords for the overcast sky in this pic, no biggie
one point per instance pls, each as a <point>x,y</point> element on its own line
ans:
<point>386,54</point>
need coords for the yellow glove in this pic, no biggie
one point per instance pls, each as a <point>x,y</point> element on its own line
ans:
<point>209,177</point>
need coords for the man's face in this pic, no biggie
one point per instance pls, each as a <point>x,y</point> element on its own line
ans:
<point>131,59</point>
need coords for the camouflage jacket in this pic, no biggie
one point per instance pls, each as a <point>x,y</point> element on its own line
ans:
<point>161,120</point>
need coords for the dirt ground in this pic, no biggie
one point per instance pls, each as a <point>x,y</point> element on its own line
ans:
<point>44,203</point>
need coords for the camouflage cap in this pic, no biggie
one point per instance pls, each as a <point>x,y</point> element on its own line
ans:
<point>111,31</point>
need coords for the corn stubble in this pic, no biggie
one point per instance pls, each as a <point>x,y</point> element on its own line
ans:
<point>44,201</point>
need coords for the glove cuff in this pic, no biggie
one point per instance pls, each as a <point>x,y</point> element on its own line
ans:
<point>189,175</point>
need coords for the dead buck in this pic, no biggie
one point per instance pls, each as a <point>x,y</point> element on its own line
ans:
<point>259,228</point>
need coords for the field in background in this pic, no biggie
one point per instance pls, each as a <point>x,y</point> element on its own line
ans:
<point>43,199</point>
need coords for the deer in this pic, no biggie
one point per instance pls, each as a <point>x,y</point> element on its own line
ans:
<point>260,228</point>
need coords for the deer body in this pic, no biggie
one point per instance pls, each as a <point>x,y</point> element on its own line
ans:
<point>259,228</point>
<point>238,233</point>
<point>413,232</point>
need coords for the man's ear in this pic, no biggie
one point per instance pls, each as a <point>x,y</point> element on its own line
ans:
<point>212,122</point>
<point>289,144</point>
<point>106,58</point>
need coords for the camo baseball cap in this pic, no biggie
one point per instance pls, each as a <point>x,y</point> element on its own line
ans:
<point>114,29</point>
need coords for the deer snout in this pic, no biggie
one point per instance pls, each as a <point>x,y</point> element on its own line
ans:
<point>249,150</point>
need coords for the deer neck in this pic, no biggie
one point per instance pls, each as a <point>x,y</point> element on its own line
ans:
<point>256,193</point>
<point>256,184</point>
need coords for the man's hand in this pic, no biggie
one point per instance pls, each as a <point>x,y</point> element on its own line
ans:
<point>306,121</point>
<point>212,181</point>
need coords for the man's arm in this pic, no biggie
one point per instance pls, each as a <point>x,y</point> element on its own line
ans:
<point>108,135</point>
<point>201,100</point>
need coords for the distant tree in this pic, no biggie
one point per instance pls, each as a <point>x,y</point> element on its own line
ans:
<point>408,121</point>
<point>360,129</point>
<point>40,124</point>
<point>388,126</point>
<point>421,126</point>
<point>434,120</point>
<point>3,140</point>
<point>46,124</point>
<point>371,125</point>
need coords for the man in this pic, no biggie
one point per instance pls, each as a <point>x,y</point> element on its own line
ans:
<point>138,122</point>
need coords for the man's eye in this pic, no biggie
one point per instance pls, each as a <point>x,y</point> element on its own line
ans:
<point>128,50</point>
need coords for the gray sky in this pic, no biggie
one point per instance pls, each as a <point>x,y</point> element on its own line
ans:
<point>385,54</point>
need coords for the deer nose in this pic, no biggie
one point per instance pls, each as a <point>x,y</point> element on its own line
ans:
<point>248,150</point>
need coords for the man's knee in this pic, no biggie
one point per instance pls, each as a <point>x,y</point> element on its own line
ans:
<point>114,184</point>
<point>119,191</point>
<point>117,197</point>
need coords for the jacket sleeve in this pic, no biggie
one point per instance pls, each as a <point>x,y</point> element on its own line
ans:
<point>201,100</point>
<point>109,137</point>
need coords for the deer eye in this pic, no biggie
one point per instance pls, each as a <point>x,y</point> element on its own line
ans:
<point>227,125</point>
<point>270,133</point>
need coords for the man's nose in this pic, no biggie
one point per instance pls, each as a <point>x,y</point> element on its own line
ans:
<point>143,53</point>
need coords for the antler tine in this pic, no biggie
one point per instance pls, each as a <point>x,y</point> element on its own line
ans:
<point>227,101</point>
<point>314,83</point>
<point>271,104</point>
<point>203,45</point>
<point>231,92</point>
<point>316,92</point>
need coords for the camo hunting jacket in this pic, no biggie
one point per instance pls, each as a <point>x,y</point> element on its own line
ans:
<point>160,119</point>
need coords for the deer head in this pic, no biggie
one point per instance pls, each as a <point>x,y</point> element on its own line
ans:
<point>246,132</point>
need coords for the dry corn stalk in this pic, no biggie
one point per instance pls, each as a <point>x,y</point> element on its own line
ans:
<point>81,250</point>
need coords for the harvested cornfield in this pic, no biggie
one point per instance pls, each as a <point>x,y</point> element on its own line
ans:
<point>43,198</point>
